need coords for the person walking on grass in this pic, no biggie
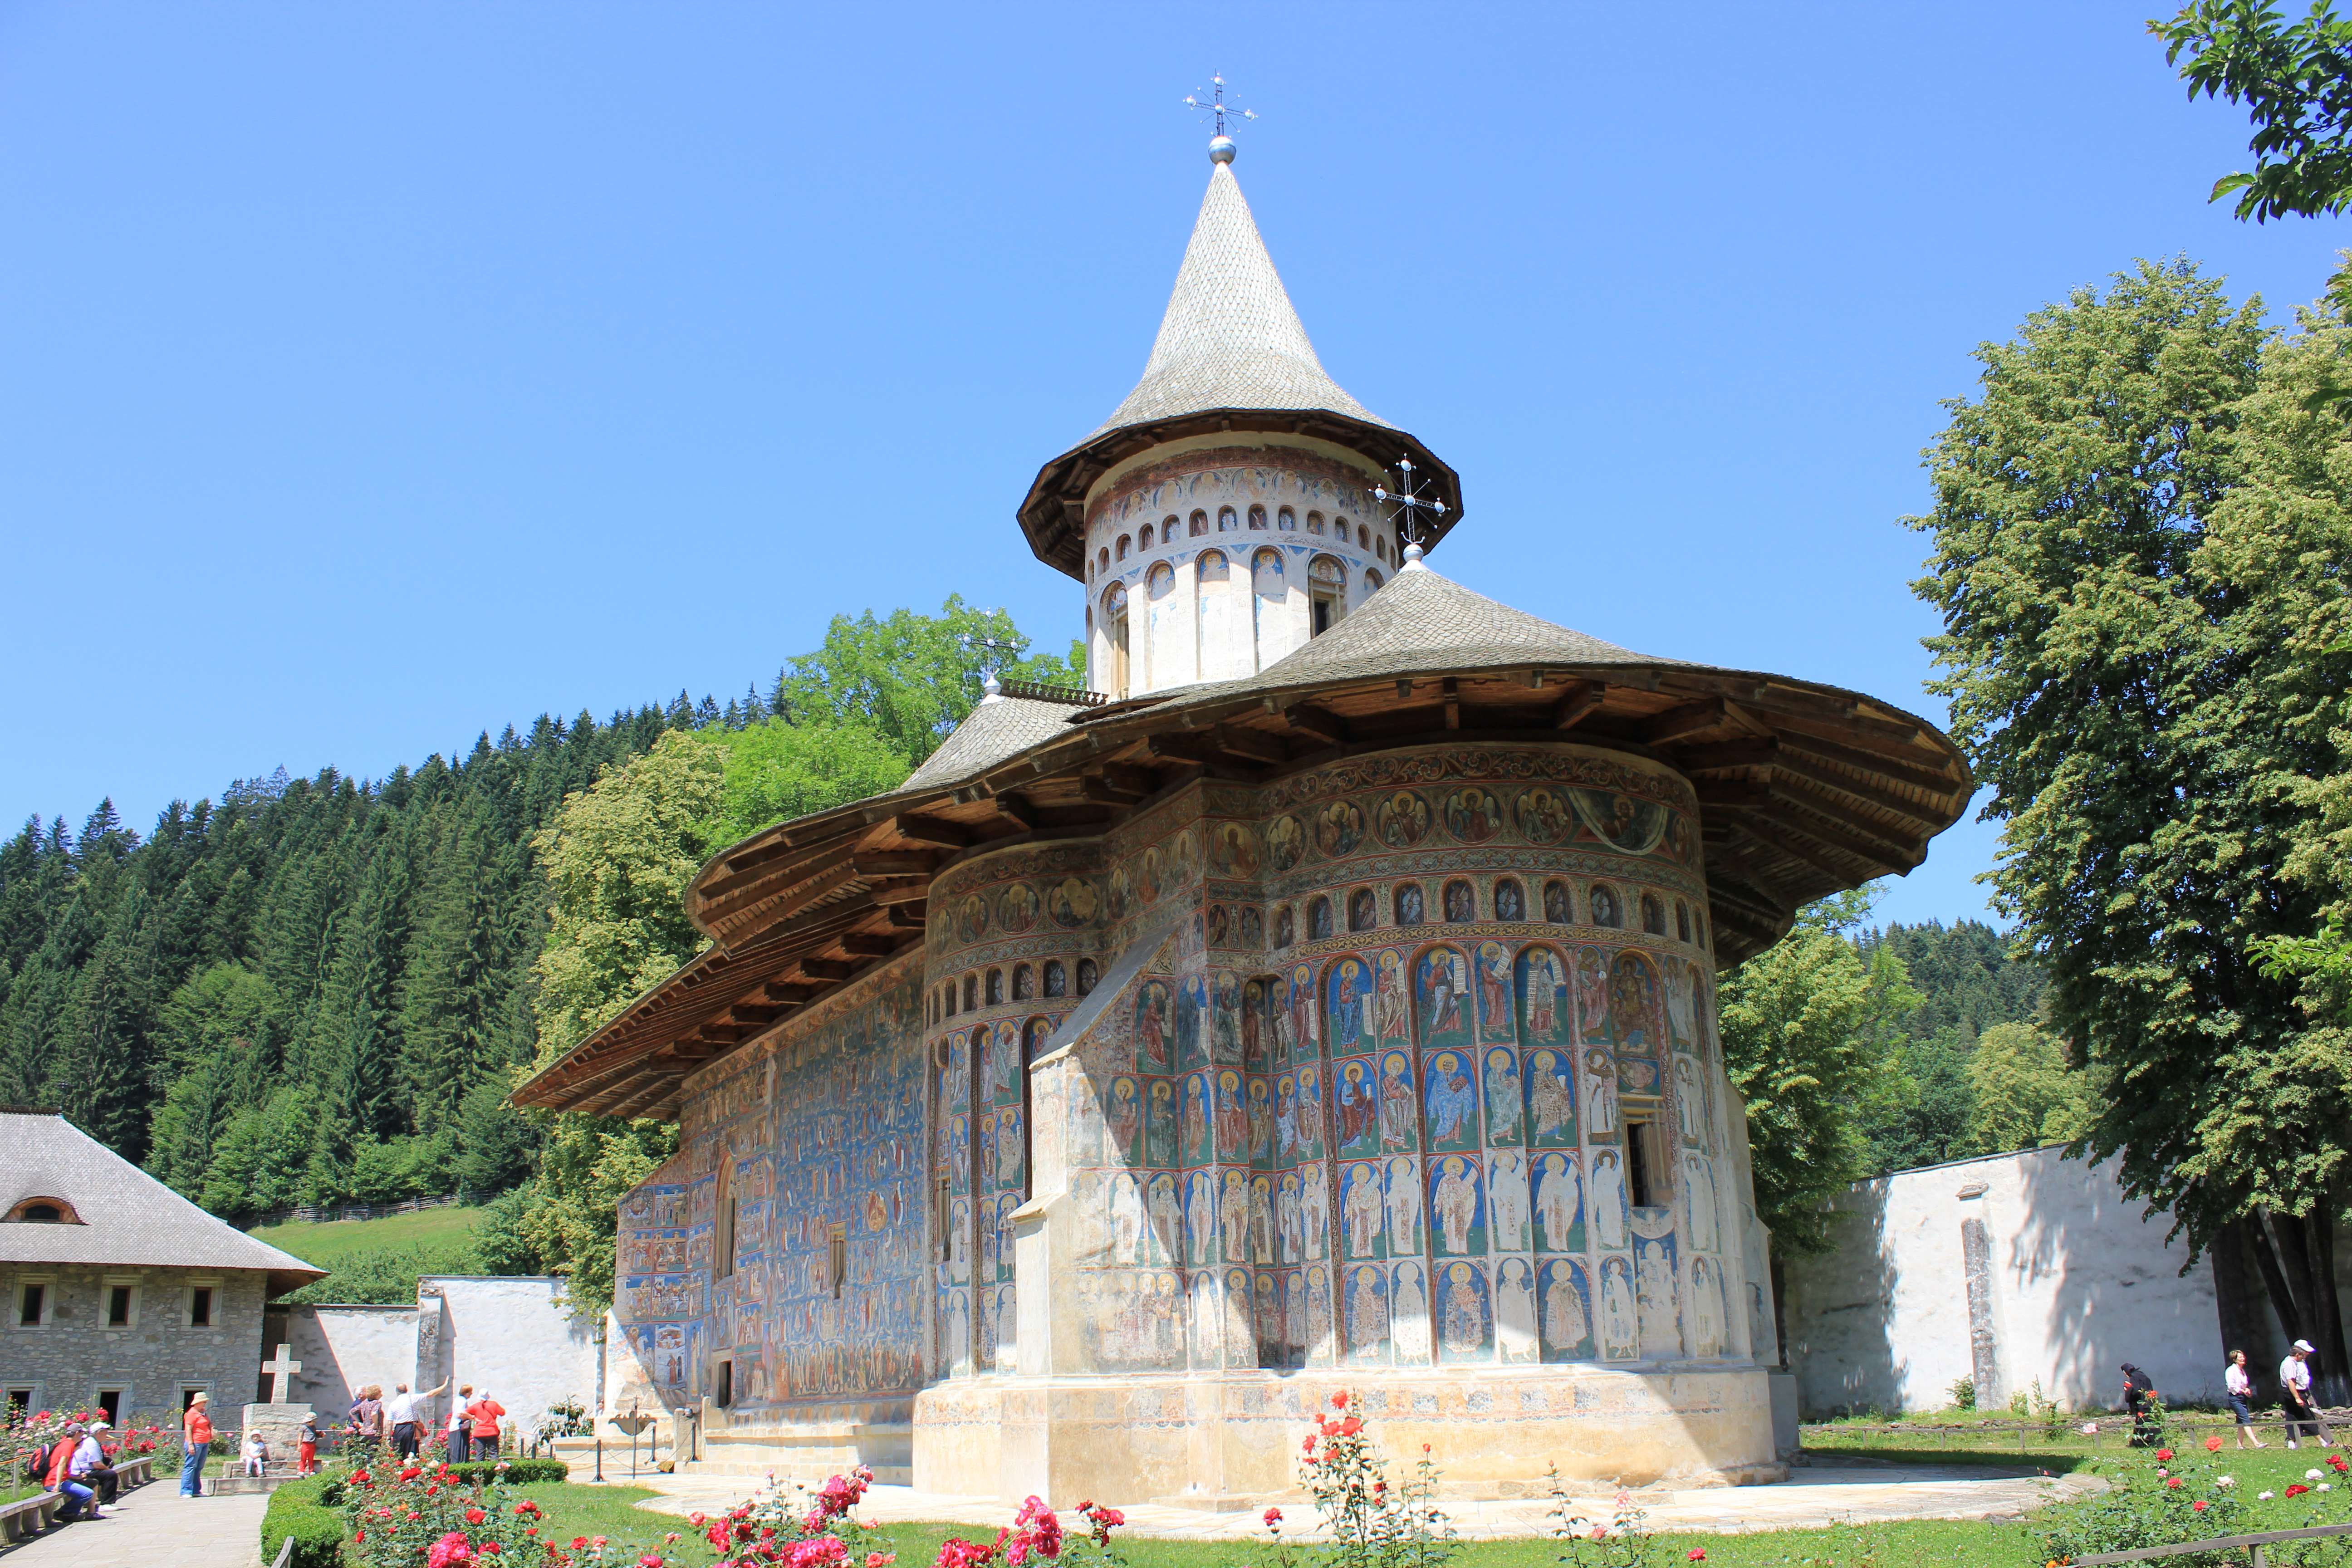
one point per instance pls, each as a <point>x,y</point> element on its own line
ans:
<point>196,1431</point>
<point>2303,1417</point>
<point>2241,1390</point>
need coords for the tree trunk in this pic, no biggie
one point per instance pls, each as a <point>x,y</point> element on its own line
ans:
<point>2262,1230</point>
<point>2330,1382</point>
<point>2241,1302</point>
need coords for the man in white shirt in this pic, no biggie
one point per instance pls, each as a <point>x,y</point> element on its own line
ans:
<point>2295,1389</point>
<point>88,1467</point>
<point>400,1412</point>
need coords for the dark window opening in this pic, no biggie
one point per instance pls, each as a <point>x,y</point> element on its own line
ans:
<point>43,1214</point>
<point>1637,1163</point>
<point>943,1218</point>
<point>1285,927</point>
<point>29,1303</point>
<point>837,1260</point>
<point>118,1308</point>
<point>20,1404</point>
<point>1025,983</point>
<point>1058,979</point>
<point>188,1397</point>
<point>1653,915</point>
<point>111,1401</point>
<point>200,1307</point>
<point>1318,920</point>
<point>971,992</point>
<point>1682,922</point>
<point>724,1396</point>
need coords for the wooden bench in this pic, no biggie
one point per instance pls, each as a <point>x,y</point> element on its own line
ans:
<point>138,1472</point>
<point>27,1518</point>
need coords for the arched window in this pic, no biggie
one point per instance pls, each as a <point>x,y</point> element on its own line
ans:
<point>1682,920</point>
<point>1339,529</point>
<point>1144,540</point>
<point>1228,520</point>
<point>44,1210</point>
<point>1102,558</point>
<point>1268,594</point>
<point>1314,522</point>
<point>971,992</point>
<point>1461,904</point>
<point>1604,907</point>
<point>1058,979</point>
<point>1258,517</point>
<point>1380,547</point>
<point>1285,927</point>
<point>1653,915</point>
<point>1090,578</point>
<point>1510,904</point>
<point>1372,581</point>
<point>722,1241</point>
<point>1025,983</point>
<point>1168,527</point>
<point>995,987</point>
<point>1318,920</point>
<point>1410,909</point>
<point>1698,927</point>
<point>1285,520</point>
<point>1327,593</point>
<point>949,1009</point>
<point>1115,635</point>
<point>1363,537</point>
<point>1556,905</point>
<point>1085,975</point>
<point>1200,523</point>
<point>1363,910</point>
<point>1123,542</point>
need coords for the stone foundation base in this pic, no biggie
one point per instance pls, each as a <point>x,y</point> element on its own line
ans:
<point>1224,1440</point>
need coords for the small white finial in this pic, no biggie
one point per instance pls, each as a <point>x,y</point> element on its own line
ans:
<point>1221,149</point>
<point>1413,557</point>
<point>991,691</point>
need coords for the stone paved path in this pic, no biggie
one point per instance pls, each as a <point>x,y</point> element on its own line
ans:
<point>1812,1498</point>
<point>154,1527</point>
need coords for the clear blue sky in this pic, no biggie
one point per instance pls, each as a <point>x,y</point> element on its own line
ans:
<point>373,375</point>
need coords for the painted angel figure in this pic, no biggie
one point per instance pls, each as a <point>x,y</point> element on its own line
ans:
<point>1607,1200</point>
<point>1600,1094</point>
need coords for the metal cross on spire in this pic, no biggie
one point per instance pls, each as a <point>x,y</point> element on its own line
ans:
<point>989,667</point>
<point>1212,102</point>
<point>1408,509</point>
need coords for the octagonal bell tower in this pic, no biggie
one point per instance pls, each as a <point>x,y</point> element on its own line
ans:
<point>1224,513</point>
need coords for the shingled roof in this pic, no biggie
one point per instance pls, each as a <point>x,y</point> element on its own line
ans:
<point>126,1218</point>
<point>1231,356</point>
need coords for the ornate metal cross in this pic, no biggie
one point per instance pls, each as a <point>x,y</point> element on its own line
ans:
<point>1409,504</point>
<point>281,1369</point>
<point>1214,104</point>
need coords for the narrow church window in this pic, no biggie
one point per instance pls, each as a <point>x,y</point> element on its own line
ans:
<point>837,1258</point>
<point>1410,909</point>
<point>109,1400</point>
<point>1144,540</point>
<point>1314,522</point>
<point>1228,520</point>
<point>32,1304</point>
<point>1646,1171</point>
<point>1200,523</point>
<point>1285,927</point>
<point>1653,915</point>
<point>724,1395</point>
<point>1025,983</point>
<point>1556,906</point>
<point>971,992</point>
<point>1682,920</point>
<point>1604,907</point>
<point>1318,920</point>
<point>1285,520</point>
<point>1363,910</point>
<point>1114,633</point>
<point>1363,534</point>
<point>1510,904</point>
<point>200,1307</point>
<point>1123,542</point>
<point>1461,904</point>
<point>943,1217</point>
<point>1057,980</point>
<point>1372,581</point>
<point>117,1306</point>
<point>1258,517</point>
<point>1085,975</point>
<point>995,987</point>
<point>1103,559</point>
<point>1698,927</point>
<point>1327,593</point>
<point>723,1241</point>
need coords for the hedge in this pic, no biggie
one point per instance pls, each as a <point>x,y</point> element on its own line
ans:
<point>519,1472</point>
<point>306,1509</point>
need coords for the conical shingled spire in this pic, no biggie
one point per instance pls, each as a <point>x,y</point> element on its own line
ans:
<point>1231,338</point>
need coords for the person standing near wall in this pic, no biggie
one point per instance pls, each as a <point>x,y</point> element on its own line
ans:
<point>461,1426</point>
<point>2145,1406</point>
<point>196,1432</point>
<point>484,1412</point>
<point>367,1415</point>
<point>2241,1390</point>
<point>2294,1394</point>
<point>307,1455</point>
<point>401,1411</point>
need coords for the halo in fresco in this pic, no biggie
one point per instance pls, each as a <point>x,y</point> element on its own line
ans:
<point>1285,842</point>
<point>1072,903</point>
<point>1402,819</point>
<point>1473,815</point>
<point>1628,826</point>
<point>1338,828</point>
<point>971,918</point>
<point>1017,908</point>
<point>1544,816</point>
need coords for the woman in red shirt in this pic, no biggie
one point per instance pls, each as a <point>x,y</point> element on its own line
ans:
<point>484,1414</point>
<point>196,1426</point>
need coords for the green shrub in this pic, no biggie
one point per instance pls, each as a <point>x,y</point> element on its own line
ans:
<point>305,1510</point>
<point>1964,1393</point>
<point>519,1472</point>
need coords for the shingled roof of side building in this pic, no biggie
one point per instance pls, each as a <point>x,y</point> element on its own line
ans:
<point>117,1216</point>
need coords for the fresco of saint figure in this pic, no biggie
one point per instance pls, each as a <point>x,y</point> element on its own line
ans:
<point>1409,1314</point>
<point>1261,1120</point>
<point>1358,1109</point>
<point>1465,1329</point>
<point>1200,1119</point>
<point>1338,828</point>
<point>1284,843</point>
<point>1151,1026</point>
<point>1515,1311</point>
<point>1403,819</point>
<point>1551,1099</point>
<point>1607,1200</point>
<point>1368,1313</point>
<point>1362,1207</point>
<point>1698,1185</point>
<point>1124,1121</point>
<point>1303,1036</point>
<point>1565,1311</point>
<point>1457,1207</point>
<point>1620,1333</point>
<point>1017,908</point>
<point>1392,1017</point>
<point>1473,815</point>
<point>1398,1129</point>
<point>1072,903</point>
<point>1351,985</point>
<point>1601,1094</point>
<point>1503,1096</point>
<point>1559,1203</point>
<point>1655,1298</point>
<point>1405,1205</point>
<point>1233,1116</point>
<point>1452,1108</point>
<point>1159,1125</point>
<point>1543,815</point>
<point>1592,998</point>
<point>1494,970</point>
<point>1632,1004</point>
<point>1443,985</point>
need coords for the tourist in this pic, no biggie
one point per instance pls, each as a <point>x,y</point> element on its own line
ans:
<point>367,1415</point>
<point>460,1431</point>
<point>2303,1417</point>
<point>256,1455</point>
<point>62,1482</point>
<point>484,1414</point>
<point>307,1454</point>
<point>92,1470</point>
<point>196,1430</point>
<point>2145,1406</point>
<point>2241,1390</point>
<point>400,1413</point>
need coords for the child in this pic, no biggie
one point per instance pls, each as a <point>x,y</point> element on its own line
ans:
<point>257,1454</point>
<point>308,1461</point>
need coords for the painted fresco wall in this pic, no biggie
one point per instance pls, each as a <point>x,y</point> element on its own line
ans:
<point>817,1132</point>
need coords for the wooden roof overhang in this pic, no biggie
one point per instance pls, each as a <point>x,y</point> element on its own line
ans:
<point>1804,791</point>
<point>1054,513</point>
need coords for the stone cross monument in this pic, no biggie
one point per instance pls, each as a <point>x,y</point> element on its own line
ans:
<point>278,1423</point>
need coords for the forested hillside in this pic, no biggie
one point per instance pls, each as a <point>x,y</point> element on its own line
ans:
<point>313,988</point>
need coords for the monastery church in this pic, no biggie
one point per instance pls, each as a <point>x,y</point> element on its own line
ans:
<point>1324,1000</point>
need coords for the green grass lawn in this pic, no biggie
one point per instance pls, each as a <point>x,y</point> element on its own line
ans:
<point>442,1229</point>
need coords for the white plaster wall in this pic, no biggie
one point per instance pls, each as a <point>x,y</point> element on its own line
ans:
<point>2081,1282</point>
<point>516,1338</point>
<point>344,1348</point>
